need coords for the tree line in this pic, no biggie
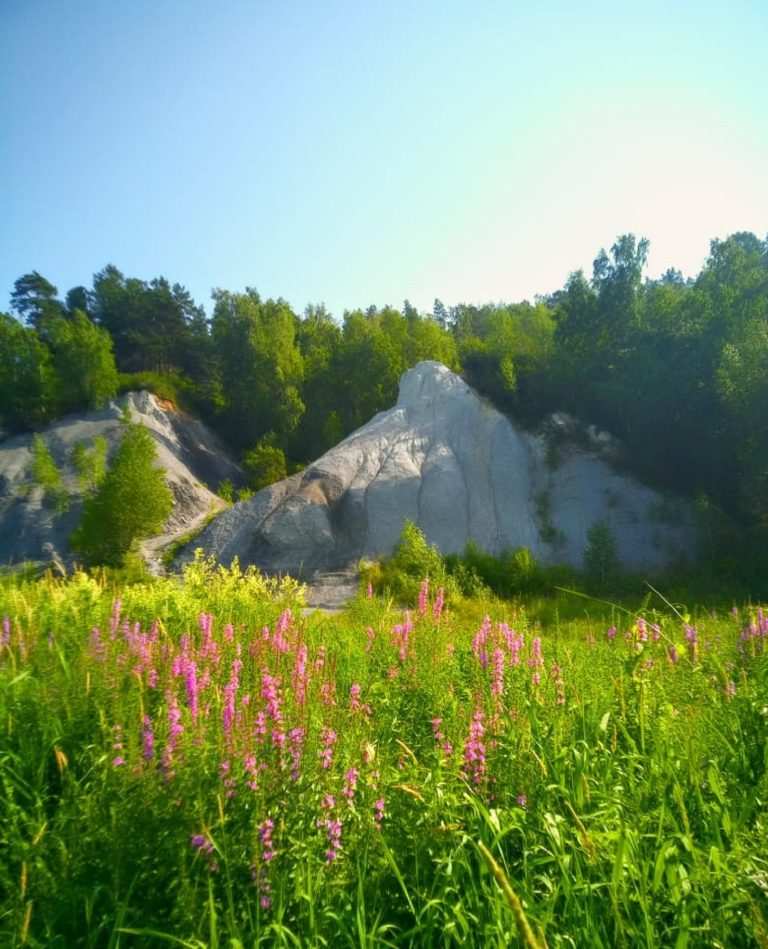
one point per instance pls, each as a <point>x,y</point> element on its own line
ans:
<point>675,367</point>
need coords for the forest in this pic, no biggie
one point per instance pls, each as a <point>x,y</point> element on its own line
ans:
<point>673,367</point>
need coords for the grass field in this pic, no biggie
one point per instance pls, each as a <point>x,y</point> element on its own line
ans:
<point>196,764</point>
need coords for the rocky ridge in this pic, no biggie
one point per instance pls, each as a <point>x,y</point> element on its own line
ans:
<point>444,458</point>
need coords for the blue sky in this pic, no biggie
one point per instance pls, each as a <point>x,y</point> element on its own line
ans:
<point>354,153</point>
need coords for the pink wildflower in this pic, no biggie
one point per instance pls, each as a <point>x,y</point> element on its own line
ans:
<point>271,695</point>
<point>300,679</point>
<point>295,746</point>
<point>437,609</point>
<point>497,679</point>
<point>479,647</point>
<point>350,784</point>
<point>423,594</point>
<point>474,751</point>
<point>329,738</point>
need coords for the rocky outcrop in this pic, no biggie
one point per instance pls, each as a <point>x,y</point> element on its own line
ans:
<point>35,528</point>
<point>446,459</point>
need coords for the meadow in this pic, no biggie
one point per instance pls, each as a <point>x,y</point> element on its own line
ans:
<point>198,763</point>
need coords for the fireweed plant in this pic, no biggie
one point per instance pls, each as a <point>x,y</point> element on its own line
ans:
<point>196,763</point>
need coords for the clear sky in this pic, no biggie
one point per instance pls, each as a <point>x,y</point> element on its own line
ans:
<point>353,152</point>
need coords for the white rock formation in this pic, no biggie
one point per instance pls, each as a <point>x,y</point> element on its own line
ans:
<point>31,529</point>
<point>446,459</point>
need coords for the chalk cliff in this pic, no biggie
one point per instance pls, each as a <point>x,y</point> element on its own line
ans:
<point>444,458</point>
<point>34,528</point>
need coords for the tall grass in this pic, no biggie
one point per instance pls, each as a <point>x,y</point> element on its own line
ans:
<point>197,764</point>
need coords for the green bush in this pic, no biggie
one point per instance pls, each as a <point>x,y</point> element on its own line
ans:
<point>414,560</point>
<point>170,387</point>
<point>131,503</point>
<point>265,463</point>
<point>90,465</point>
<point>226,491</point>
<point>46,474</point>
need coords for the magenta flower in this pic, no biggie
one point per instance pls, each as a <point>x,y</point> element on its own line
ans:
<point>474,751</point>
<point>479,647</point>
<point>350,784</point>
<point>295,746</point>
<point>332,828</point>
<point>270,693</point>
<point>437,609</point>
<point>190,681</point>
<point>175,728</point>
<point>280,641</point>
<point>328,738</point>
<point>201,843</point>
<point>148,737</point>
<point>355,704</point>
<point>423,594</point>
<point>265,836</point>
<point>300,678</point>
<point>497,677</point>
<point>445,746</point>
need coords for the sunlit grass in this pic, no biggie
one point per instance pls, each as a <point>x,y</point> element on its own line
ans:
<point>197,765</point>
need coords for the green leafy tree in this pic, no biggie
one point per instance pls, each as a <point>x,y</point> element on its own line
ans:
<point>86,375</point>
<point>263,368</point>
<point>265,463</point>
<point>319,339</point>
<point>131,503</point>
<point>27,379</point>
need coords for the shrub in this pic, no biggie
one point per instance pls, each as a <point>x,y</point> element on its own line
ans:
<point>170,387</point>
<point>131,503</point>
<point>46,474</point>
<point>91,466</point>
<point>265,463</point>
<point>413,561</point>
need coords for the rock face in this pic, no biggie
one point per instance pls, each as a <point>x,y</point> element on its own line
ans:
<point>446,459</point>
<point>33,529</point>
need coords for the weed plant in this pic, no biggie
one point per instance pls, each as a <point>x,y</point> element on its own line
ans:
<point>198,764</point>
